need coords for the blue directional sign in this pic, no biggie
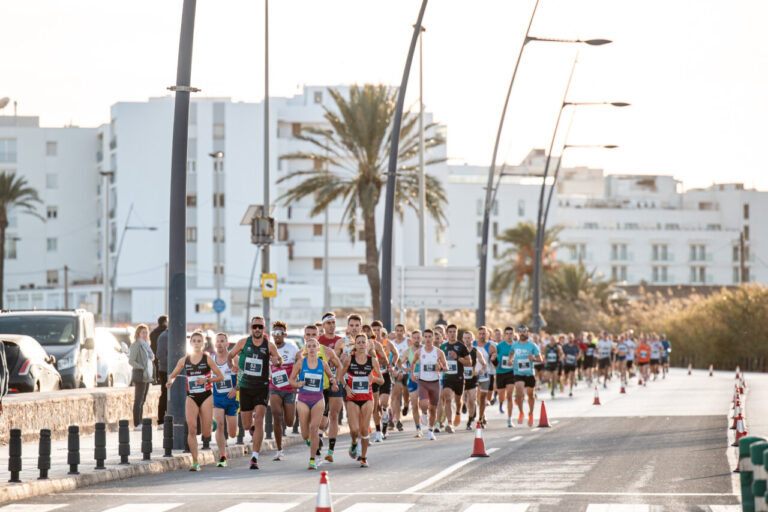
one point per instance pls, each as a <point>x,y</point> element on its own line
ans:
<point>219,305</point>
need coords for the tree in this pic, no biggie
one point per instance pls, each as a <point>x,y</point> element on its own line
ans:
<point>349,163</point>
<point>516,262</point>
<point>571,282</point>
<point>15,193</point>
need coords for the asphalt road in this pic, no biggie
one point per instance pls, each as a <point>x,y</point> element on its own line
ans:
<point>660,447</point>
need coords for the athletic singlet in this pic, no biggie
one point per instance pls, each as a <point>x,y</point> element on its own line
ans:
<point>656,347</point>
<point>643,353</point>
<point>358,378</point>
<point>387,358</point>
<point>630,350</point>
<point>279,374</point>
<point>571,352</point>
<point>505,354</point>
<point>254,363</point>
<point>491,369</point>
<point>194,371</point>
<point>230,379</point>
<point>590,349</point>
<point>469,371</point>
<point>621,349</point>
<point>428,365</point>
<point>312,377</point>
<point>455,368</point>
<point>604,348</point>
<point>552,355</point>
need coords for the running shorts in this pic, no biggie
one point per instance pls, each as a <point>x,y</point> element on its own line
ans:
<point>589,361</point>
<point>470,383</point>
<point>664,358</point>
<point>538,366</point>
<point>550,367</point>
<point>457,386</point>
<point>529,380</point>
<point>654,361</point>
<point>604,363</point>
<point>230,405</point>
<point>288,397</point>
<point>429,390</point>
<point>621,359</point>
<point>569,369</point>
<point>250,398</point>
<point>504,379</point>
<point>629,363</point>
<point>384,389</point>
<point>199,398</point>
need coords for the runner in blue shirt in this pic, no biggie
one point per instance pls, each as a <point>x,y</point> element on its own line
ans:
<point>667,348</point>
<point>527,354</point>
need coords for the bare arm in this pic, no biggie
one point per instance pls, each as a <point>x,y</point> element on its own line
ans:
<point>235,352</point>
<point>296,384</point>
<point>216,371</point>
<point>275,357</point>
<point>176,371</point>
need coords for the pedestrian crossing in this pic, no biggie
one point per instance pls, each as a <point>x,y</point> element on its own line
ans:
<point>363,507</point>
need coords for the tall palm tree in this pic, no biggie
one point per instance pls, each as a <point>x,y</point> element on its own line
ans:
<point>514,274</point>
<point>572,281</point>
<point>349,163</point>
<point>15,193</point>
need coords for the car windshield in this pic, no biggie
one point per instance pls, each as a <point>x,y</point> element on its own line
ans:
<point>47,330</point>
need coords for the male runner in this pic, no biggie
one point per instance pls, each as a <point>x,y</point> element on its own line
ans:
<point>334,400</point>
<point>400,384</point>
<point>415,344</point>
<point>255,353</point>
<point>487,380</point>
<point>387,359</point>
<point>553,356</point>
<point>589,357</point>
<point>457,357</point>
<point>666,349</point>
<point>527,354</point>
<point>643,358</point>
<point>425,368</point>
<point>477,367</point>
<point>656,349</point>
<point>504,362</point>
<point>604,351</point>
<point>439,342</point>
<point>282,397</point>
<point>571,354</point>
<point>621,358</point>
<point>631,346</point>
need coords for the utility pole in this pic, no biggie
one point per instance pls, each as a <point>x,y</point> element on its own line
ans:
<point>165,309</point>
<point>742,260</point>
<point>265,247</point>
<point>66,287</point>
<point>422,181</point>
<point>105,308</point>
<point>326,263</point>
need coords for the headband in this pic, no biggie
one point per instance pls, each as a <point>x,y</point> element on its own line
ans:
<point>329,317</point>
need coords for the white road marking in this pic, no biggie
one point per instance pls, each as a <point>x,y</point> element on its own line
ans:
<point>516,438</point>
<point>415,493</point>
<point>376,507</point>
<point>497,507</point>
<point>447,471</point>
<point>23,507</point>
<point>617,507</point>
<point>725,508</point>
<point>555,422</point>
<point>261,507</point>
<point>144,507</point>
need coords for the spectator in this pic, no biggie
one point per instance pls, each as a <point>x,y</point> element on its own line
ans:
<point>3,375</point>
<point>162,325</point>
<point>161,358</point>
<point>440,320</point>
<point>141,360</point>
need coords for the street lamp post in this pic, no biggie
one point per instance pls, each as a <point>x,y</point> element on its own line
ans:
<point>218,161</point>
<point>422,180</point>
<point>267,302</point>
<point>490,188</point>
<point>105,311</point>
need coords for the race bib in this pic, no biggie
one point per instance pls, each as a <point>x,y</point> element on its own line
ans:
<point>483,378</point>
<point>468,372</point>
<point>570,359</point>
<point>280,379</point>
<point>523,365</point>
<point>253,366</point>
<point>193,386</point>
<point>429,368</point>
<point>590,351</point>
<point>453,367</point>
<point>552,357</point>
<point>383,369</point>
<point>643,354</point>
<point>605,353</point>
<point>505,362</point>
<point>360,385</point>
<point>313,383</point>
<point>225,386</point>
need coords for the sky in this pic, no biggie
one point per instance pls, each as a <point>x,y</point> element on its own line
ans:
<point>695,71</point>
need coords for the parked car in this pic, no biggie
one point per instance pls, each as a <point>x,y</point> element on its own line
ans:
<point>112,368</point>
<point>124,335</point>
<point>66,335</point>
<point>30,368</point>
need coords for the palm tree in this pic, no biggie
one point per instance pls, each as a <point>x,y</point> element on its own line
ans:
<point>15,192</point>
<point>571,282</point>
<point>349,164</point>
<point>516,262</point>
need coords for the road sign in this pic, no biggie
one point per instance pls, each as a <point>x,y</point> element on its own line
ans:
<point>269,285</point>
<point>219,305</point>
<point>435,287</point>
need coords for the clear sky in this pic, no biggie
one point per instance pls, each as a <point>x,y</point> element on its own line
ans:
<point>695,71</point>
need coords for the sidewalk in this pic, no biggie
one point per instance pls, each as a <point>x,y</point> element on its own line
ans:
<point>756,417</point>
<point>59,480</point>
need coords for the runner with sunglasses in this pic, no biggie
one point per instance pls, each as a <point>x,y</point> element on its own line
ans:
<point>282,397</point>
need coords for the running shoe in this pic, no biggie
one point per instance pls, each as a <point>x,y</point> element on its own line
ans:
<point>456,420</point>
<point>195,467</point>
<point>222,462</point>
<point>509,423</point>
<point>418,433</point>
<point>254,463</point>
<point>469,425</point>
<point>278,456</point>
<point>552,394</point>
<point>312,464</point>
<point>329,456</point>
<point>483,421</point>
<point>464,409</point>
<point>405,411</point>
<point>520,419</point>
<point>363,462</point>
<point>377,439</point>
<point>353,451</point>
<point>391,423</point>
<point>437,428</point>
<point>570,393</point>
<point>431,436</point>
<point>449,429</point>
<point>501,408</point>
<point>530,420</point>
<point>399,426</point>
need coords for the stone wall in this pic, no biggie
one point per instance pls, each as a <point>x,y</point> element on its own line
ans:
<point>56,410</point>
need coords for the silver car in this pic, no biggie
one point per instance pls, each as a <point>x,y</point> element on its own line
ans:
<point>111,361</point>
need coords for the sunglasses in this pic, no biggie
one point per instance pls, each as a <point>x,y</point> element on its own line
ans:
<point>257,326</point>
<point>278,333</point>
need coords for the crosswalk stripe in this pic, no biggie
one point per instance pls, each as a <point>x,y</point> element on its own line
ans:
<point>497,507</point>
<point>261,507</point>
<point>144,507</point>
<point>32,507</point>
<point>617,507</point>
<point>376,507</point>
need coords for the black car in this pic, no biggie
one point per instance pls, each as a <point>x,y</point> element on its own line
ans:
<point>30,368</point>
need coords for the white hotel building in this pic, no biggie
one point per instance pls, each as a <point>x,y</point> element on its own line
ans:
<point>636,228</point>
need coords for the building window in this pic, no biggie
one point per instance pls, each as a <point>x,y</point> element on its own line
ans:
<point>619,252</point>
<point>51,180</point>
<point>520,208</point>
<point>218,131</point>
<point>697,252</point>
<point>318,96</point>
<point>317,229</point>
<point>659,274</point>
<point>204,307</point>
<point>479,228</point>
<point>192,200</point>
<point>619,273</point>
<point>736,275</point>
<point>660,252</point>
<point>51,212</point>
<point>746,211</point>
<point>218,200</point>
<point>295,129</point>
<point>8,150</point>
<point>218,270</point>
<point>10,247</point>
<point>361,268</point>
<point>51,244</point>
<point>495,251</point>
<point>52,277</point>
<point>282,231</point>
<point>672,226</point>
<point>218,165</point>
<point>219,234</point>
<point>192,234</point>
<point>746,232</point>
<point>440,235</point>
<point>51,148</point>
<point>495,228</point>
<point>631,225</point>
<point>317,263</point>
<point>698,274</point>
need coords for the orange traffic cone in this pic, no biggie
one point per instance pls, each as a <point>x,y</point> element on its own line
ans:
<point>543,421</point>
<point>597,397</point>
<point>736,414</point>
<point>741,385</point>
<point>479,448</point>
<point>324,495</point>
<point>738,371</point>
<point>740,431</point>
<point>689,368</point>
<point>710,371</point>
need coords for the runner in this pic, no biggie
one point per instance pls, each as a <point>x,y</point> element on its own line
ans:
<point>604,351</point>
<point>582,365</point>
<point>504,362</point>
<point>527,354</point>
<point>439,342</point>
<point>334,400</point>
<point>631,346</point>
<point>400,395</point>
<point>621,358</point>
<point>656,349</point>
<point>255,355</point>
<point>589,357</point>
<point>479,366</point>
<point>282,397</point>
<point>427,364</point>
<point>485,380</point>
<point>666,350</point>
<point>225,404</point>
<point>359,371</point>
<point>497,338</point>
<point>643,358</point>
<point>307,376</point>
<point>553,355</point>
<point>388,359</point>
<point>457,357</point>
<point>571,354</point>
<point>413,385</point>
<point>199,403</point>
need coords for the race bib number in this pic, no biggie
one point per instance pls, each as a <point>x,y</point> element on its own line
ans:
<point>313,383</point>
<point>570,359</point>
<point>360,385</point>
<point>193,386</point>
<point>643,354</point>
<point>280,379</point>
<point>253,366</point>
<point>505,363</point>
<point>453,367</point>
<point>468,372</point>
<point>523,365</point>
<point>552,357</point>
<point>483,378</point>
<point>590,351</point>
<point>605,353</point>
<point>225,386</point>
<point>429,368</point>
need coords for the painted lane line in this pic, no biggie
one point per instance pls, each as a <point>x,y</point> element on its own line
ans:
<point>415,493</point>
<point>376,507</point>
<point>32,507</point>
<point>725,508</point>
<point>617,507</point>
<point>516,438</point>
<point>497,507</point>
<point>555,422</point>
<point>447,471</point>
<point>144,507</point>
<point>261,507</point>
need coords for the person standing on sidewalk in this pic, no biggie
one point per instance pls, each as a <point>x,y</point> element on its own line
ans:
<point>141,360</point>
<point>162,325</point>
<point>161,357</point>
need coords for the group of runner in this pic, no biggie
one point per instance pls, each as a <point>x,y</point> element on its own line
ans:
<point>378,377</point>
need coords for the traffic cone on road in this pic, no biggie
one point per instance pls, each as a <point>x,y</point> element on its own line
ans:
<point>740,430</point>
<point>710,371</point>
<point>597,397</point>
<point>324,495</point>
<point>738,371</point>
<point>689,368</point>
<point>543,421</point>
<point>736,414</point>
<point>741,385</point>
<point>479,447</point>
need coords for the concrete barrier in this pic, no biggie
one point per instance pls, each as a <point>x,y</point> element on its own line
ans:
<point>56,410</point>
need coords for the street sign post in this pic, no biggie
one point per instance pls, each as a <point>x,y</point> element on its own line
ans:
<point>219,305</point>
<point>269,285</point>
<point>436,287</point>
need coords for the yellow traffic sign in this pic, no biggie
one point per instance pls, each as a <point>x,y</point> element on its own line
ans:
<point>269,285</point>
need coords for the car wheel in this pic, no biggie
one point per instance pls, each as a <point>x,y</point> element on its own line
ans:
<point>81,384</point>
<point>37,386</point>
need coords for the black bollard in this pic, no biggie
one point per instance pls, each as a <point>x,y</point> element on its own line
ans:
<point>14,455</point>
<point>146,438</point>
<point>123,441</point>
<point>186,438</point>
<point>73,449</point>
<point>240,431</point>
<point>44,454</point>
<point>168,436</point>
<point>296,423</point>
<point>268,423</point>
<point>100,445</point>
